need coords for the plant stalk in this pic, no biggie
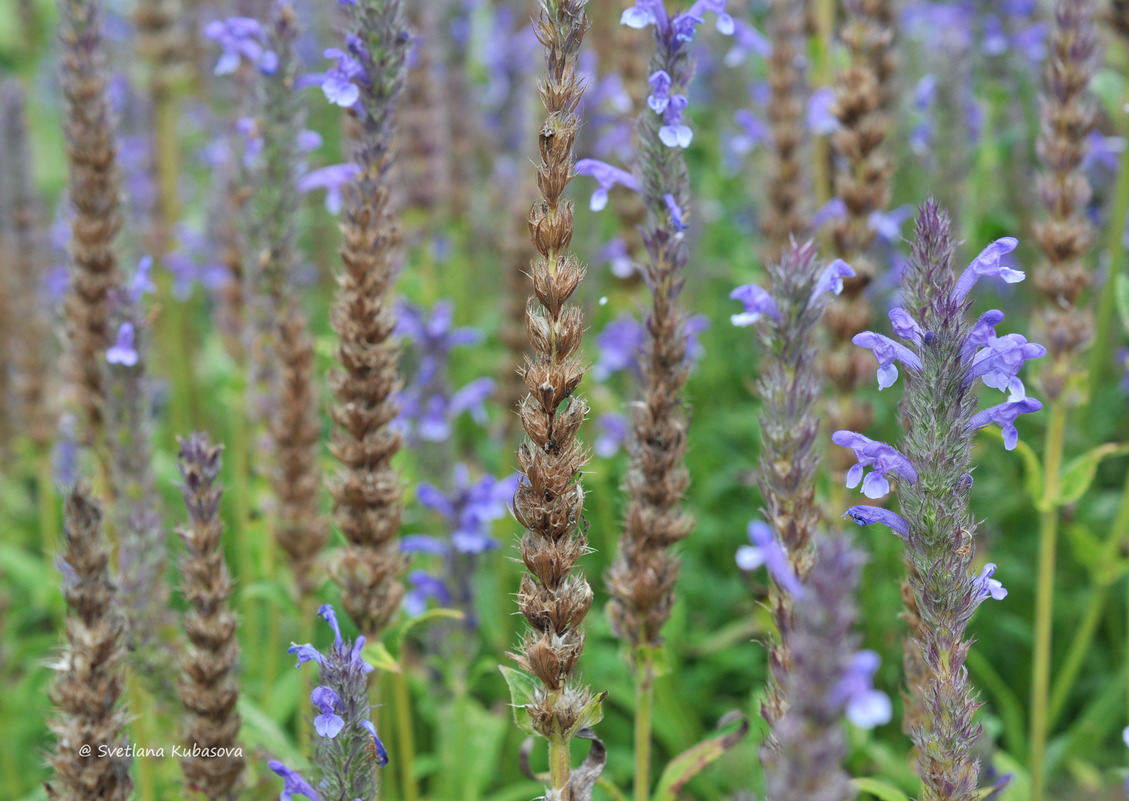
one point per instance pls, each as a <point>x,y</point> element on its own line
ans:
<point>405,736</point>
<point>644,714</point>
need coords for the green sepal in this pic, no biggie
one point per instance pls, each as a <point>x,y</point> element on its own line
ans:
<point>590,715</point>
<point>695,759</point>
<point>523,692</point>
<point>377,654</point>
<point>879,789</point>
<point>1080,472</point>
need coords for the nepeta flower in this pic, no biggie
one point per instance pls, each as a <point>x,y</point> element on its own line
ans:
<point>332,179</point>
<point>983,331</point>
<point>607,177</point>
<point>865,706</point>
<point>659,98</point>
<point>424,587</point>
<point>293,783</point>
<point>998,363</point>
<point>988,587</point>
<point>831,279</point>
<point>1005,415</point>
<point>880,457</point>
<point>887,351</point>
<point>378,751</point>
<point>141,283</point>
<point>612,434</point>
<point>757,304</point>
<point>746,39</point>
<point>820,119</point>
<point>676,218</point>
<point>241,38</point>
<point>328,723</point>
<point>123,351</point>
<point>869,515</point>
<point>765,550</point>
<point>674,133</point>
<point>905,326</point>
<point>469,510</point>
<point>620,344</point>
<point>989,263</point>
<point>342,82</point>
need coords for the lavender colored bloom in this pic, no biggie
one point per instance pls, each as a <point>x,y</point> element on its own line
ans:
<point>833,209</point>
<point>982,332</point>
<point>831,279</point>
<point>469,509</point>
<point>424,587</point>
<point>869,515</point>
<point>998,363</point>
<point>612,434</point>
<point>332,179</point>
<point>674,133</point>
<point>746,39</point>
<point>65,459</point>
<point>241,39</point>
<point>887,225</point>
<point>865,706</point>
<point>887,351</point>
<point>757,304</point>
<point>724,23</point>
<point>821,120</point>
<point>880,457</point>
<point>378,751</point>
<point>988,263</point>
<point>753,132</point>
<point>765,550</point>
<point>659,98</point>
<point>1004,415</point>
<point>904,325</point>
<point>988,587</point>
<point>341,84</point>
<point>293,783</point>
<point>123,351</point>
<point>607,177</point>
<point>141,283</point>
<point>305,653</point>
<point>620,344</point>
<point>328,723</point>
<point>327,613</point>
<point>676,214</point>
<point>644,13</point>
<point>617,257</point>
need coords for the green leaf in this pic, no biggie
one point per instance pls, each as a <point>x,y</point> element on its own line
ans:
<point>1121,298</point>
<point>590,715</point>
<point>260,731</point>
<point>377,654</point>
<point>879,789</point>
<point>273,593</point>
<point>1088,550</point>
<point>395,637</point>
<point>1032,471</point>
<point>693,760</point>
<point>1080,472</point>
<point>523,692</point>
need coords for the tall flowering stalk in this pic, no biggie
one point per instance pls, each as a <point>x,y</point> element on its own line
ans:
<point>790,386</point>
<point>789,183</point>
<point>1068,117</point>
<point>943,355</point>
<point>422,124</point>
<point>31,339</point>
<point>549,502</point>
<point>209,687</point>
<point>348,749</point>
<point>90,671</point>
<point>366,490</point>
<point>94,191</point>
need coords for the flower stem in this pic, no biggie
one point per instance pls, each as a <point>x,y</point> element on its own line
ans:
<point>405,736</point>
<point>142,731</point>
<point>559,766</point>
<point>644,711</point>
<point>822,75</point>
<point>1044,601</point>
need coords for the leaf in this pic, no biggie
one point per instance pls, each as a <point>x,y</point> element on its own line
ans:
<point>378,655</point>
<point>1080,472</point>
<point>395,637</point>
<point>589,716</point>
<point>692,761</point>
<point>260,730</point>
<point>272,592</point>
<point>1032,472</point>
<point>879,789</point>
<point>1121,298</point>
<point>1089,551</point>
<point>523,692</point>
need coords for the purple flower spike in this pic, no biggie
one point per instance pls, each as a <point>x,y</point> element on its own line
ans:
<point>765,550</point>
<point>241,38</point>
<point>123,351</point>
<point>328,723</point>
<point>905,326</point>
<point>988,587</point>
<point>327,614</point>
<point>659,98</point>
<point>869,515</point>
<point>606,176</point>
<point>306,653</point>
<point>998,363</point>
<point>887,351</point>
<point>378,747</point>
<point>866,707</point>
<point>294,784</point>
<point>877,455</point>
<point>757,303</point>
<point>831,279</point>
<point>988,263</point>
<point>1005,416</point>
<point>982,332</point>
<point>676,214</point>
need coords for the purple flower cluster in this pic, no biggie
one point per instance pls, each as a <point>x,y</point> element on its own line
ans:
<point>622,341</point>
<point>242,40</point>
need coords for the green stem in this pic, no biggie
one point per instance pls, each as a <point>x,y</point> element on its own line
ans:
<point>1079,648</point>
<point>644,714</point>
<point>461,731</point>
<point>142,733</point>
<point>825,36</point>
<point>1044,601</point>
<point>405,736</point>
<point>559,766</point>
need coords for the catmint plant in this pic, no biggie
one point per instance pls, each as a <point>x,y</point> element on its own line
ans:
<point>932,469</point>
